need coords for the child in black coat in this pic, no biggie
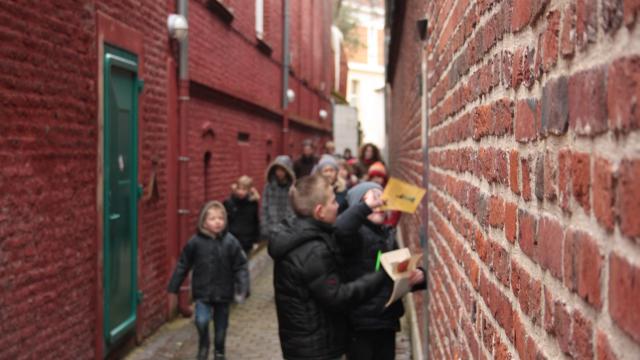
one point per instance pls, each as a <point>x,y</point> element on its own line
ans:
<point>242,211</point>
<point>220,275</point>
<point>362,234</point>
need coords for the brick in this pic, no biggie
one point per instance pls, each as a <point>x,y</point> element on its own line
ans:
<point>548,246</point>
<point>539,171</point>
<point>583,266</point>
<point>562,326</point>
<point>527,120</point>
<point>496,211</point>
<point>628,198</point>
<point>582,335</point>
<point>564,178</point>
<point>623,92</point>
<point>587,102</point>
<point>581,179</point>
<point>549,51</point>
<point>604,193</point>
<point>603,348</point>
<point>521,14</point>
<point>549,312</point>
<point>510,221</point>
<point>568,35</point>
<point>526,232</point>
<point>550,176</point>
<point>481,122</point>
<point>631,9</point>
<point>513,171</point>
<point>502,113</point>
<point>612,15</point>
<point>624,292</point>
<point>500,263</point>
<point>586,22</point>
<point>526,179</point>
<point>555,109</point>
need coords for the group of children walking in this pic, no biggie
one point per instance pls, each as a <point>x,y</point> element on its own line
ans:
<point>324,231</point>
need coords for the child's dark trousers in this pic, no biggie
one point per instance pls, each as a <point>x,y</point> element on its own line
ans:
<point>220,323</point>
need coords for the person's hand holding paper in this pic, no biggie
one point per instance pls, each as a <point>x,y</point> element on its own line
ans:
<point>402,196</point>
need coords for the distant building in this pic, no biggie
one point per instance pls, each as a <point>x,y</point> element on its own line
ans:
<point>365,81</point>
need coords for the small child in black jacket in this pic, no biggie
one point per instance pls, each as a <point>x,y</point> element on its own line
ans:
<point>220,274</point>
<point>242,211</point>
<point>362,234</point>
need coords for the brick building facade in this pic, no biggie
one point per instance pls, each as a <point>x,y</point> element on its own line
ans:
<point>525,113</point>
<point>62,65</point>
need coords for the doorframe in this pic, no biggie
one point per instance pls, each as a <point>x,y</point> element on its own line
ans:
<point>117,34</point>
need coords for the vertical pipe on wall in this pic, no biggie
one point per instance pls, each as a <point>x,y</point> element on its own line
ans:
<point>183,163</point>
<point>285,75</point>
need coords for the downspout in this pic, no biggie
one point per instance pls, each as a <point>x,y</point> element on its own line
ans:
<point>183,159</point>
<point>285,76</point>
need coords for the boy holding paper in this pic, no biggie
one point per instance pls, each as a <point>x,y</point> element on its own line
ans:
<point>363,235</point>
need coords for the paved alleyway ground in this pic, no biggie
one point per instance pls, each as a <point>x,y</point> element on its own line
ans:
<point>253,327</point>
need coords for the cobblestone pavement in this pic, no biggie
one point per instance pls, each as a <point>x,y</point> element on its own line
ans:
<point>252,333</point>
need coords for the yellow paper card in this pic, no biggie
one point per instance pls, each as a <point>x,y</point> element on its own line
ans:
<point>402,196</point>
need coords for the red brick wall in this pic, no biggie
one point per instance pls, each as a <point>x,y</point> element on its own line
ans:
<point>49,242</point>
<point>534,165</point>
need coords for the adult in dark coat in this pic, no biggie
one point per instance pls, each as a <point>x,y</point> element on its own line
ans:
<point>306,162</point>
<point>369,154</point>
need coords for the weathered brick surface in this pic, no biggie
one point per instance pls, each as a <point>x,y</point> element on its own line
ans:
<point>50,240</point>
<point>533,173</point>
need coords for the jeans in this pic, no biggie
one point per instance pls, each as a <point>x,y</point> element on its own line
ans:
<point>220,323</point>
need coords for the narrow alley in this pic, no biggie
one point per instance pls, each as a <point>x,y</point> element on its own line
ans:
<point>253,327</point>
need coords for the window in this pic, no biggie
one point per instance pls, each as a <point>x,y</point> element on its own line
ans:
<point>260,19</point>
<point>243,137</point>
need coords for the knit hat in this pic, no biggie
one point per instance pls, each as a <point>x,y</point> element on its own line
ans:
<point>325,160</point>
<point>377,169</point>
<point>356,193</point>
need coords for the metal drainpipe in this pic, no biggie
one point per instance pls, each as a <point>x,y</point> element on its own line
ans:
<point>425,184</point>
<point>285,76</point>
<point>183,159</point>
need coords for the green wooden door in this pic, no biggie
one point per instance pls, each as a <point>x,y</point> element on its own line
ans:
<point>120,193</point>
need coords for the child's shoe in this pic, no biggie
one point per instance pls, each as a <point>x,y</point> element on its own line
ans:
<point>218,356</point>
<point>203,353</point>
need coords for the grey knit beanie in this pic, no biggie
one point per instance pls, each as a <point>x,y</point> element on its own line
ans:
<point>325,160</point>
<point>355,194</point>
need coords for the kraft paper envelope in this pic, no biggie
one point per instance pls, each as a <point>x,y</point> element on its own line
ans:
<point>402,196</point>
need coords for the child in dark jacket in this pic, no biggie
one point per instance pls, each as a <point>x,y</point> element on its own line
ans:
<point>242,211</point>
<point>275,197</point>
<point>363,234</point>
<point>311,297</point>
<point>220,274</point>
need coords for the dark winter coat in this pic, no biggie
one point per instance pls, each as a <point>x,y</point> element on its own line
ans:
<point>362,240</point>
<point>219,266</point>
<point>304,165</point>
<point>244,222</point>
<point>275,197</point>
<point>312,299</point>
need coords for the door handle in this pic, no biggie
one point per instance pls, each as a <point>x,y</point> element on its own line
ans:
<point>114,216</point>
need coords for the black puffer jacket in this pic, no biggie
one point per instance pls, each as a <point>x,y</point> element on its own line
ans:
<point>364,240</point>
<point>244,222</point>
<point>219,265</point>
<point>311,298</point>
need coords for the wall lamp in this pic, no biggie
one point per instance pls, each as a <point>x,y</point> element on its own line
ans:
<point>177,26</point>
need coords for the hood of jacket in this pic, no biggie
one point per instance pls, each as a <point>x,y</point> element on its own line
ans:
<point>295,231</point>
<point>283,161</point>
<point>203,214</point>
